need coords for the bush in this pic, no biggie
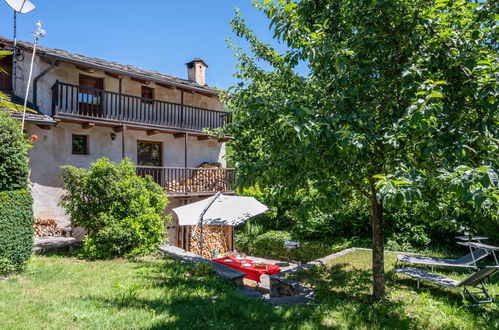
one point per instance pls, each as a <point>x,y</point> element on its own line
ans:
<point>122,212</point>
<point>267,245</point>
<point>16,229</point>
<point>246,238</point>
<point>13,155</point>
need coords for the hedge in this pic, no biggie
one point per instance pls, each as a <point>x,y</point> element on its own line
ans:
<point>13,154</point>
<point>16,229</point>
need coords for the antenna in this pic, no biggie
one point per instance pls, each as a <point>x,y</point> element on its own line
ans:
<point>37,34</point>
<point>22,7</point>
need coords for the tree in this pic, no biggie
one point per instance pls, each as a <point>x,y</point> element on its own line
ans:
<point>121,212</point>
<point>399,92</point>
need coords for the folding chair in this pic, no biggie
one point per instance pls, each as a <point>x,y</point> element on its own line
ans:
<point>465,287</point>
<point>467,261</point>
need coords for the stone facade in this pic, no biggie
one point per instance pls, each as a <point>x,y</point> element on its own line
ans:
<point>53,148</point>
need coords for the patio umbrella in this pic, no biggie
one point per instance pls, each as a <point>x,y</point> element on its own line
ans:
<point>220,210</point>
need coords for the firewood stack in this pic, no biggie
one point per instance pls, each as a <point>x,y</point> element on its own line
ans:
<point>47,227</point>
<point>214,237</point>
<point>209,180</point>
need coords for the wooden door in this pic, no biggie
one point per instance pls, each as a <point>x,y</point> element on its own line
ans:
<point>6,77</point>
<point>90,102</point>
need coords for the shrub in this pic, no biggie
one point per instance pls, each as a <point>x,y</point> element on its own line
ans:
<point>268,245</point>
<point>122,212</point>
<point>247,236</point>
<point>13,155</point>
<point>16,229</point>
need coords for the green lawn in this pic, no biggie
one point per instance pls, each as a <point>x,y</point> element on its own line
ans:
<point>153,293</point>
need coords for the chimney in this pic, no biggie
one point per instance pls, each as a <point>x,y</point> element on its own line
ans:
<point>196,70</point>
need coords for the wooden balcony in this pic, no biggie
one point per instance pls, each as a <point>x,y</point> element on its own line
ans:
<point>95,105</point>
<point>191,181</point>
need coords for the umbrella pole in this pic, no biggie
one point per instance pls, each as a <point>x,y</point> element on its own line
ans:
<point>201,238</point>
<point>200,222</point>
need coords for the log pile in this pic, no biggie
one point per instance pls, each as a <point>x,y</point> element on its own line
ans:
<point>214,237</point>
<point>207,177</point>
<point>46,227</point>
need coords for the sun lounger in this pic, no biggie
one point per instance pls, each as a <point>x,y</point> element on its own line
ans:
<point>480,246</point>
<point>467,261</point>
<point>473,282</point>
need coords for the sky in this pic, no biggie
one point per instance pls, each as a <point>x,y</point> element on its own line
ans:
<point>159,35</point>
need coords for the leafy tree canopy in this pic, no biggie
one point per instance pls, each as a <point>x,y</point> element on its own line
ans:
<point>401,96</point>
<point>121,212</point>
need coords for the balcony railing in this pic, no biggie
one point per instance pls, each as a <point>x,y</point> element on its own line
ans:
<point>180,180</point>
<point>90,103</point>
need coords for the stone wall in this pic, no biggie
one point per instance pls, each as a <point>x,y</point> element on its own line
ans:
<point>54,149</point>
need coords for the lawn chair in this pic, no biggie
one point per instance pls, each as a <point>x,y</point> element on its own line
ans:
<point>474,281</point>
<point>480,246</point>
<point>467,261</point>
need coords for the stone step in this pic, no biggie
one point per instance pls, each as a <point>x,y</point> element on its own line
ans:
<point>222,271</point>
<point>45,244</point>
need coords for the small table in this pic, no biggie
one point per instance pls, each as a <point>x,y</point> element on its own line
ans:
<point>253,273</point>
<point>473,238</point>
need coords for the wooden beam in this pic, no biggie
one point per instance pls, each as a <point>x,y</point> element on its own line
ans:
<point>207,94</point>
<point>203,137</point>
<point>142,81</point>
<point>45,127</point>
<point>165,85</point>
<point>119,129</point>
<point>179,135</point>
<point>221,140</point>
<point>185,90</point>
<point>87,125</point>
<point>46,59</point>
<point>85,69</point>
<point>152,132</point>
<point>113,75</point>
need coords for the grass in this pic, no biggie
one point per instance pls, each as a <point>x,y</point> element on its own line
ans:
<point>343,290</point>
<point>62,292</point>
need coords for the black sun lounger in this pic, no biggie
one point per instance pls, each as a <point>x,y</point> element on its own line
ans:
<point>467,261</point>
<point>472,282</point>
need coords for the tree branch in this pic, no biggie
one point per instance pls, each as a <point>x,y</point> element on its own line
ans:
<point>358,188</point>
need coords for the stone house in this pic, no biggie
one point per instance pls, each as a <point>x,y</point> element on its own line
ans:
<point>90,108</point>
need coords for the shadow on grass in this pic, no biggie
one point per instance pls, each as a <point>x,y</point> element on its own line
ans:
<point>66,251</point>
<point>190,296</point>
<point>346,292</point>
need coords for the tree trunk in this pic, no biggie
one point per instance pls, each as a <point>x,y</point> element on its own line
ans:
<point>378,246</point>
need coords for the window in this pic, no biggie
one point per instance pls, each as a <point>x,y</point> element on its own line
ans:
<point>147,94</point>
<point>80,145</point>
<point>149,153</point>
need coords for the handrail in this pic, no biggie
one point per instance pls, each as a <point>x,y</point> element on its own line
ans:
<point>84,102</point>
<point>183,168</point>
<point>181,180</point>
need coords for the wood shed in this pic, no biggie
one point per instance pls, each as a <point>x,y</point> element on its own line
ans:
<point>212,222</point>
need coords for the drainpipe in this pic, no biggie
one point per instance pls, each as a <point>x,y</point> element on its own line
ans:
<point>182,126</point>
<point>121,116</point>
<point>53,64</point>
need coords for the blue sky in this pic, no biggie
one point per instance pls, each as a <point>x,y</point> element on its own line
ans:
<point>159,35</point>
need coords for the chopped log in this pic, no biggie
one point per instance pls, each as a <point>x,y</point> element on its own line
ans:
<point>202,180</point>
<point>214,237</point>
<point>46,227</point>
